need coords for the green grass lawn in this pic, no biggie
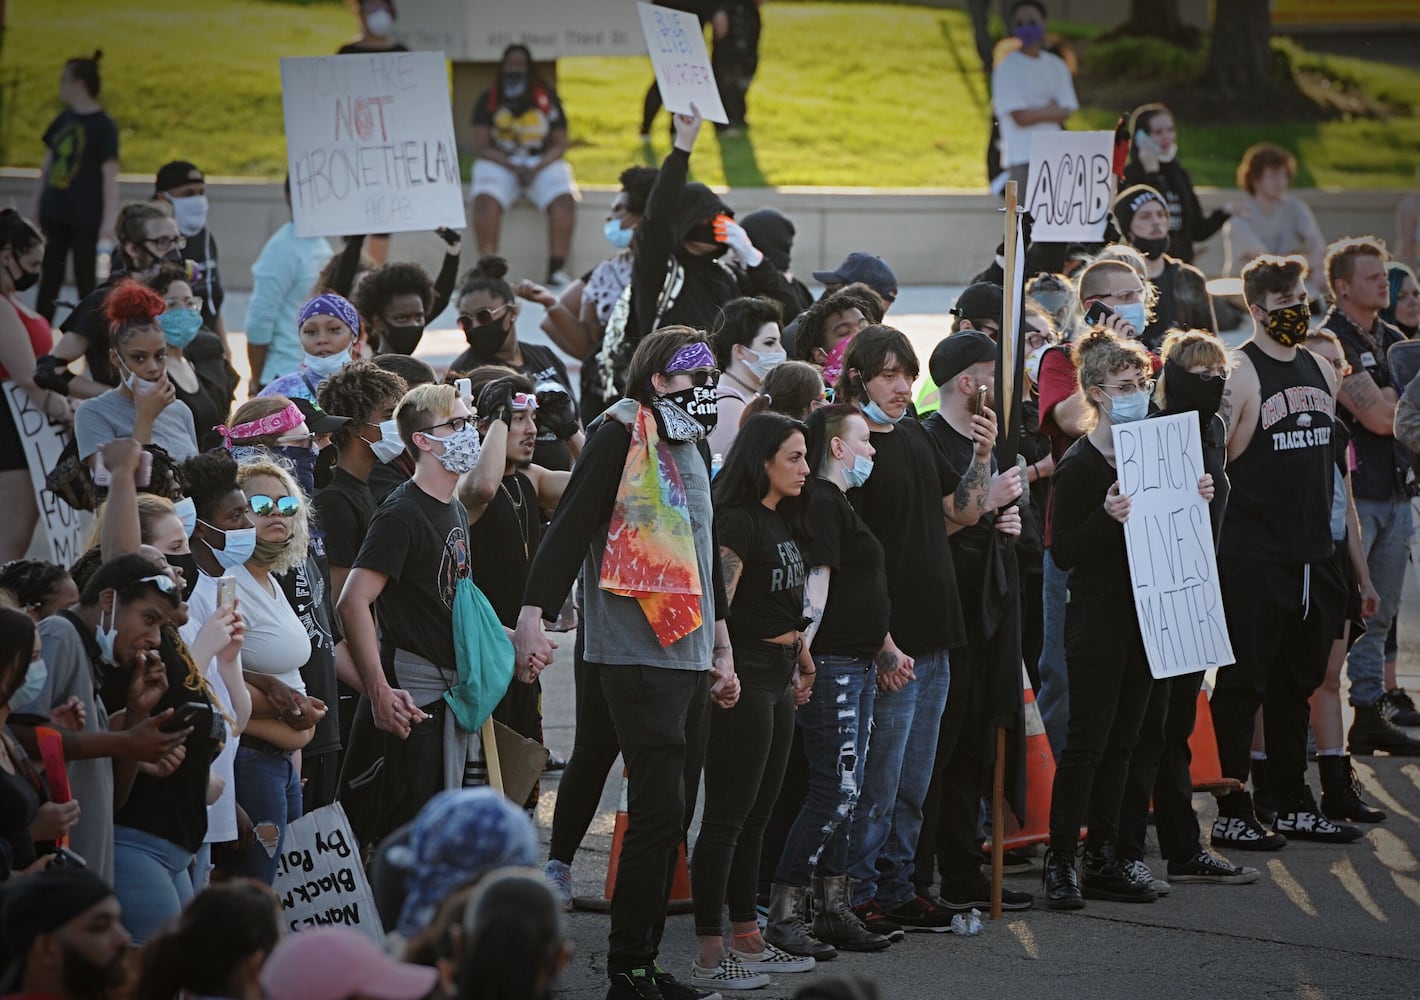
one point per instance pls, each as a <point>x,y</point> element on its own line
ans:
<point>866,95</point>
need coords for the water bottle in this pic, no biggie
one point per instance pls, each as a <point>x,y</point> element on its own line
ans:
<point>103,264</point>
<point>717,462</point>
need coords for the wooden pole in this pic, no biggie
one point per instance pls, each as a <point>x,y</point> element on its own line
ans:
<point>490,755</point>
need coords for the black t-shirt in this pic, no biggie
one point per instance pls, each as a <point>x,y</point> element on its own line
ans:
<point>386,477</point>
<point>361,47</point>
<point>344,508</point>
<point>540,364</point>
<point>306,591</point>
<point>205,414</point>
<point>1084,539</point>
<point>207,276</point>
<point>1381,463</point>
<point>421,544</point>
<point>769,599</point>
<point>522,125</point>
<point>79,146</point>
<point>87,319</point>
<point>857,613</point>
<point>501,545</point>
<point>970,545</point>
<point>175,807</point>
<point>19,802</point>
<point>902,504</point>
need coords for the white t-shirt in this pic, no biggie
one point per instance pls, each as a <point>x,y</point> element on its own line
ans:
<point>275,641</point>
<point>1019,82</point>
<point>222,814</point>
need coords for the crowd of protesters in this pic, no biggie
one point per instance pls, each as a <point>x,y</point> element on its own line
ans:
<point>799,567</point>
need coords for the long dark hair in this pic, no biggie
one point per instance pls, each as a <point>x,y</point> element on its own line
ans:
<point>17,646</point>
<point>220,929</point>
<point>743,482</point>
<point>512,939</point>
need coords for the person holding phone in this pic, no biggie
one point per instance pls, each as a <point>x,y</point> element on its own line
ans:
<point>1153,160</point>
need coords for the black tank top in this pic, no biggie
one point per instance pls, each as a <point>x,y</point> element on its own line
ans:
<point>1279,509</point>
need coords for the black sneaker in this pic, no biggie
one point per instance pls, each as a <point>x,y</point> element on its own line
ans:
<point>1206,866</point>
<point>1104,875</point>
<point>1399,708</point>
<point>671,988</point>
<point>1237,827</point>
<point>1012,862</point>
<point>962,894</point>
<point>920,914</point>
<point>1302,820</point>
<point>638,984</point>
<point>871,916</point>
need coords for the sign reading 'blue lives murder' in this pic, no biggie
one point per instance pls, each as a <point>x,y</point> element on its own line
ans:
<point>1169,537</point>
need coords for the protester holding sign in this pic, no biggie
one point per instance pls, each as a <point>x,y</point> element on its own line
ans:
<point>1110,682</point>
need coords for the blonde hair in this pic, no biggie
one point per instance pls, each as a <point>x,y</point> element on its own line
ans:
<point>1099,354</point>
<point>295,554</point>
<point>1187,348</point>
<point>423,406</point>
<point>254,409</point>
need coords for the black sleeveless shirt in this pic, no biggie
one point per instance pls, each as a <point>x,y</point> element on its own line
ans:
<point>1279,509</point>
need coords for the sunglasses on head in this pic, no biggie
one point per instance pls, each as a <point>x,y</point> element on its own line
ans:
<point>264,506</point>
<point>164,583</point>
<point>482,317</point>
<point>524,401</point>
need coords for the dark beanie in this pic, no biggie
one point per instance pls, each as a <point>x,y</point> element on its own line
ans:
<point>958,353</point>
<point>773,233</point>
<point>1129,201</point>
<point>45,901</point>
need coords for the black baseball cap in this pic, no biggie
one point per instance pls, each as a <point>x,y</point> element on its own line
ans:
<point>982,300</point>
<point>317,420</point>
<point>175,175</point>
<point>868,268</point>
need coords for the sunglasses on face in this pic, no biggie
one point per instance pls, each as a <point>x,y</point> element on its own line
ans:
<point>699,376</point>
<point>482,317</point>
<point>264,506</point>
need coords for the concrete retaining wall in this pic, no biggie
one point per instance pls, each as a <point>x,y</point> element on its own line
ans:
<point>929,237</point>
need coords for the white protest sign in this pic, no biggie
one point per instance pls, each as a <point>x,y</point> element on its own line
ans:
<point>1070,186</point>
<point>1169,537</point>
<point>319,876</point>
<point>370,144</point>
<point>676,43</point>
<point>43,442</point>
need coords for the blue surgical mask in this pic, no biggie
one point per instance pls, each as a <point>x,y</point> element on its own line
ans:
<point>875,414</point>
<point>1135,314</point>
<point>390,445</point>
<point>328,366</point>
<point>33,684</point>
<point>765,361</point>
<point>615,235</point>
<point>1127,409</point>
<point>857,474</point>
<point>237,546</point>
<point>186,511</point>
<point>180,326</point>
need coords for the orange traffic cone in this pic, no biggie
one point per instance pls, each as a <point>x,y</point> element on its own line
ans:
<point>1206,770</point>
<point>1040,780</point>
<point>680,887</point>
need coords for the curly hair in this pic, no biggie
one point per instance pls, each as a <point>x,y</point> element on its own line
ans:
<point>130,308</point>
<point>211,477</point>
<point>166,276</point>
<point>1098,354</point>
<point>383,284</point>
<point>357,391</point>
<point>813,321</point>
<point>31,582</point>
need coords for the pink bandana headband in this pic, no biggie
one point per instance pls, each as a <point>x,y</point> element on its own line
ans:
<point>273,423</point>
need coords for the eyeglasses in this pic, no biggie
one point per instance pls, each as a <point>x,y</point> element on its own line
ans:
<point>1123,295</point>
<point>455,424</point>
<point>1036,340</point>
<point>194,302</point>
<point>163,244</point>
<point>1130,388</point>
<point>296,440</point>
<point>482,317</point>
<point>164,584</point>
<point>699,376</point>
<point>264,506</point>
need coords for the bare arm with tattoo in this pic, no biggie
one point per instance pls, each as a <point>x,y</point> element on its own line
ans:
<point>815,599</point>
<point>731,567</point>
<point>1373,406</point>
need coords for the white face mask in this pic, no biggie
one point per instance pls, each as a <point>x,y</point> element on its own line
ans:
<point>379,22</point>
<point>390,445</point>
<point>327,366</point>
<point>764,361</point>
<point>190,213</point>
<point>134,383</point>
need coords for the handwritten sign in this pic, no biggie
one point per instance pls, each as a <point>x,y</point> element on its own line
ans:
<point>1070,185</point>
<point>676,43</point>
<point>319,877</point>
<point>1169,538</point>
<point>65,528</point>
<point>370,144</point>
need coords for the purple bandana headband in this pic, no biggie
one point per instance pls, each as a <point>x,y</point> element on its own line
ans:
<point>690,357</point>
<point>330,304</point>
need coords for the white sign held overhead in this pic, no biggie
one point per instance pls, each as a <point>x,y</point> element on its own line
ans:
<point>319,877</point>
<point>370,144</point>
<point>1070,186</point>
<point>1169,537</point>
<point>676,44</point>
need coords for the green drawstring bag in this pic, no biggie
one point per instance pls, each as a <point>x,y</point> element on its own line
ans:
<point>484,656</point>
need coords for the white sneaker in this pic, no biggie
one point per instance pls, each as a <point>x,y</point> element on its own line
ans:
<point>1141,874</point>
<point>773,959</point>
<point>559,279</point>
<point>730,974</point>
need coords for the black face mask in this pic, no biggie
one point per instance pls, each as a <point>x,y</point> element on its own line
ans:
<point>699,402</point>
<point>26,280</point>
<point>486,340</point>
<point>1152,249</point>
<point>701,232</point>
<point>187,562</point>
<point>402,339</point>
<point>303,467</point>
<point>1186,391</point>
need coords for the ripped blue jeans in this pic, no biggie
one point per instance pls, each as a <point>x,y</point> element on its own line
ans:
<point>834,726</point>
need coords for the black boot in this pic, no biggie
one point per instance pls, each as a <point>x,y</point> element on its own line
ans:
<point>834,921</point>
<point>1061,882</point>
<point>786,927</point>
<point>1300,819</point>
<point>1104,876</point>
<point>1372,731</point>
<point>1341,792</point>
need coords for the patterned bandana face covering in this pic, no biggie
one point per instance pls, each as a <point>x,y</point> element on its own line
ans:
<point>461,449</point>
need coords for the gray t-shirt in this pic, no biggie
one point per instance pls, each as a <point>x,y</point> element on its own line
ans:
<point>112,415</point>
<point>71,674</point>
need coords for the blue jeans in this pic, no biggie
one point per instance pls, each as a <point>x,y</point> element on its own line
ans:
<point>269,790</point>
<point>150,878</point>
<point>901,751</point>
<point>1386,526</point>
<point>1053,698</point>
<point>834,725</point>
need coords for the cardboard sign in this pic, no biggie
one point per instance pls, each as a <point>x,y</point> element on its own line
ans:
<point>1169,536</point>
<point>1070,186</point>
<point>43,441</point>
<point>319,876</point>
<point>370,144</point>
<point>676,43</point>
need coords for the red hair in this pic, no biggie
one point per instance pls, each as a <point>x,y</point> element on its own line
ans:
<point>131,306</point>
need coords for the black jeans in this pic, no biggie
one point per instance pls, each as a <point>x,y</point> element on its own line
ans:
<point>1109,690</point>
<point>660,720</point>
<point>321,776</point>
<point>61,239</point>
<point>594,750</point>
<point>1281,635</point>
<point>1159,767</point>
<point>744,766</point>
